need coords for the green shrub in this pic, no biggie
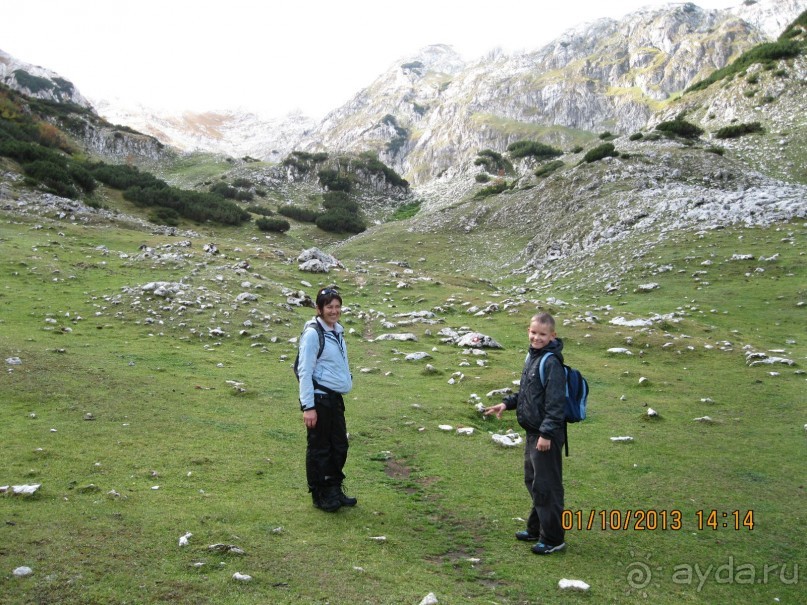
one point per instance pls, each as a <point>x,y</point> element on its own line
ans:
<point>331,180</point>
<point>681,128</point>
<point>277,225</point>
<point>715,150</point>
<point>635,136</point>
<point>164,216</point>
<point>259,210</point>
<point>523,149</point>
<point>576,149</point>
<point>738,130</point>
<point>33,83</point>
<point>242,183</point>
<point>304,215</point>
<point>548,168</point>
<point>224,190</point>
<point>406,211</point>
<point>372,164</point>
<point>482,177</point>
<point>494,189</point>
<point>332,200</point>
<point>606,136</point>
<point>752,79</point>
<point>599,152</point>
<point>53,177</point>
<point>340,220</point>
<point>493,162</point>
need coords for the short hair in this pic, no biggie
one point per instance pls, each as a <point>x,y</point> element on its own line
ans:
<point>544,318</point>
<point>326,296</point>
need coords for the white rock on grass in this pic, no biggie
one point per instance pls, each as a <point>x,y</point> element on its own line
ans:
<point>242,577</point>
<point>465,430</point>
<point>183,540</point>
<point>508,439</point>
<point>21,490</point>
<point>429,599</point>
<point>619,351</point>
<point>623,439</point>
<point>445,427</point>
<point>705,419</point>
<point>23,571</point>
<point>651,412</point>
<point>566,584</point>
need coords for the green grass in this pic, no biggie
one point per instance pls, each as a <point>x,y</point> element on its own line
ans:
<point>230,465</point>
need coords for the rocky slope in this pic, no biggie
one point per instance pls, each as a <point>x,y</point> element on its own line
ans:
<point>430,112</point>
<point>38,82</point>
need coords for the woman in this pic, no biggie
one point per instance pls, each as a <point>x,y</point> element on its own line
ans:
<point>324,377</point>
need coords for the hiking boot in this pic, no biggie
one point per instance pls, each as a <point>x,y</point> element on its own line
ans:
<point>546,549</point>
<point>326,500</point>
<point>346,500</point>
<point>526,536</point>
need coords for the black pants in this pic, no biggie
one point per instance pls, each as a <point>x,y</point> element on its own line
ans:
<point>327,448</point>
<point>543,476</point>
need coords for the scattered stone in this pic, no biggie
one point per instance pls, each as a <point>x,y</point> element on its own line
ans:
<point>566,584</point>
<point>21,490</point>
<point>378,538</point>
<point>445,427</point>
<point>476,339</point>
<point>183,540</point>
<point>23,571</point>
<point>14,361</point>
<point>624,439</point>
<point>417,356</point>
<point>619,351</point>
<point>499,392</point>
<point>705,419</point>
<point>508,439</point>
<point>429,599</point>
<point>644,380</point>
<point>465,430</point>
<point>652,413</point>
<point>226,549</point>
<point>398,337</point>
<point>241,577</point>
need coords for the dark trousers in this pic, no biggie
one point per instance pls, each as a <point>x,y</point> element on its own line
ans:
<point>327,448</point>
<point>543,476</point>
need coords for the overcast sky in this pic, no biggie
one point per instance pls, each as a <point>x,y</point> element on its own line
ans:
<point>270,57</point>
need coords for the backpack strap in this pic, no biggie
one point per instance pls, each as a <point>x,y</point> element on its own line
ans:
<point>542,375</point>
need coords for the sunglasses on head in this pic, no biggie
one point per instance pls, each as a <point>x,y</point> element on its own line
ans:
<point>328,292</point>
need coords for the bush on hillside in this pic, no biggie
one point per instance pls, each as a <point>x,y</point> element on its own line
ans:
<point>278,225</point>
<point>493,162</point>
<point>164,216</point>
<point>737,130</point>
<point>259,210</point>
<point>548,168</point>
<point>332,200</point>
<point>406,211</point>
<point>304,215</point>
<point>340,220</point>
<point>635,136</point>
<point>523,149</point>
<point>496,188</point>
<point>680,128</point>
<point>599,152</point>
<point>331,180</point>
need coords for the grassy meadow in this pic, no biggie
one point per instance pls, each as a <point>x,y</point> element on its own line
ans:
<point>141,426</point>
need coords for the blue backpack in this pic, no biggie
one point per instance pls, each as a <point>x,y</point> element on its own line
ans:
<point>576,394</point>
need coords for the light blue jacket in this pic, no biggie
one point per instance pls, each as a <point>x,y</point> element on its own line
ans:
<point>330,370</point>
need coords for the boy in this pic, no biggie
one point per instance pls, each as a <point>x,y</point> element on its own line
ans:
<point>539,410</point>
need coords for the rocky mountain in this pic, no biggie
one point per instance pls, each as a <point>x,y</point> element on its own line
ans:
<point>430,112</point>
<point>234,133</point>
<point>38,82</point>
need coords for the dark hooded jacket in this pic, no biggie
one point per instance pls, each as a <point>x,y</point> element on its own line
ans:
<point>539,407</point>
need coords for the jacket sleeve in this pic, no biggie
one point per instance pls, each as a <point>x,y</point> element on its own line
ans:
<point>510,401</point>
<point>309,347</point>
<point>554,398</point>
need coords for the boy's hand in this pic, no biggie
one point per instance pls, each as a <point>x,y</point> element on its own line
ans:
<point>543,444</point>
<point>495,409</point>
